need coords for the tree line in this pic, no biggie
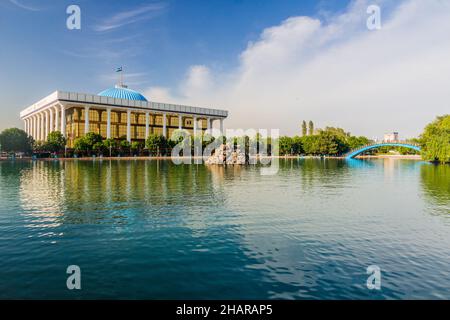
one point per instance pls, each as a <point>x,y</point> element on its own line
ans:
<point>330,141</point>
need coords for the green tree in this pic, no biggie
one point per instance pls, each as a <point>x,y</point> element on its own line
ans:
<point>297,145</point>
<point>111,145</point>
<point>125,146</point>
<point>55,142</point>
<point>309,145</point>
<point>328,143</point>
<point>92,138</point>
<point>88,143</point>
<point>98,148</point>
<point>337,132</point>
<point>304,128</point>
<point>136,147</point>
<point>357,142</point>
<point>16,140</point>
<point>324,143</point>
<point>285,145</point>
<point>156,144</point>
<point>81,146</point>
<point>311,128</point>
<point>39,146</point>
<point>435,140</point>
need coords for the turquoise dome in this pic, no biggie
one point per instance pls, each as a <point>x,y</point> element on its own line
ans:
<point>122,93</point>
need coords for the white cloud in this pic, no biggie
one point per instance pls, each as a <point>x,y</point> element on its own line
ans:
<point>21,5</point>
<point>336,73</point>
<point>129,17</point>
<point>160,94</point>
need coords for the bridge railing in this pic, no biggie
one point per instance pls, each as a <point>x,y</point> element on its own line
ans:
<point>415,144</point>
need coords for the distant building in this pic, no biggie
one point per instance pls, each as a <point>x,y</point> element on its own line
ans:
<point>114,113</point>
<point>391,137</point>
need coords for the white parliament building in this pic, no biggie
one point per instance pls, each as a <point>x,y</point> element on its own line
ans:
<point>116,113</point>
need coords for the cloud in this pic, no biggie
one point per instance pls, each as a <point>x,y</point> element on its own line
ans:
<point>24,6</point>
<point>335,72</point>
<point>129,17</point>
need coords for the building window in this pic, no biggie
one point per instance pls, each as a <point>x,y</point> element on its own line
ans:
<point>122,131</point>
<point>114,117</point>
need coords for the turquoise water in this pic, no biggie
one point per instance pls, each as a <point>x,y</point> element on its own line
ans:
<point>153,230</point>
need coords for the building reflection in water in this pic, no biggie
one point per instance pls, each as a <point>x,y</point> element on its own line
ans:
<point>42,189</point>
<point>78,192</point>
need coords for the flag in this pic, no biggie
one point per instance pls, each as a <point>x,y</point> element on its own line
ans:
<point>119,69</point>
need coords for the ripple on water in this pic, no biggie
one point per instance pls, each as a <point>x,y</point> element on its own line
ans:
<point>149,229</point>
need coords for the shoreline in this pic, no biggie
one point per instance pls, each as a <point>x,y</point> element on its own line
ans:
<point>400,157</point>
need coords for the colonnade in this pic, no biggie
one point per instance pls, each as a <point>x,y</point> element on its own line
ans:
<point>40,124</point>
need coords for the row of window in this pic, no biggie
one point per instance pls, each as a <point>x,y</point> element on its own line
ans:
<point>78,115</point>
<point>76,129</point>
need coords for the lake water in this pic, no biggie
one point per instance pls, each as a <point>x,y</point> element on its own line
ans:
<point>154,230</point>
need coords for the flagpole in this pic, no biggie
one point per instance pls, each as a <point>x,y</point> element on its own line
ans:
<point>120,70</point>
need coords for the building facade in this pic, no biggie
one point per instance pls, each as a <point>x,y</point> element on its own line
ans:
<point>391,137</point>
<point>116,113</point>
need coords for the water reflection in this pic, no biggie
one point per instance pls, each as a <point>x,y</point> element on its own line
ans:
<point>41,193</point>
<point>79,192</point>
<point>435,181</point>
<point>202,232</point>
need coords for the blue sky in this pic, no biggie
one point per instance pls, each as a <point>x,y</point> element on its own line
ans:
<point>185,50</point>
<point>41,55</point>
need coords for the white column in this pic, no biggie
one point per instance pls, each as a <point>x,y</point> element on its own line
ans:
<point>51,120</point>
<point>221,126</point>
<point>147,125</point>
<point>33,130</point>
<point>57,118</point>
<point>195,126</point>
<point>33,125</point>
<point>108,123</point>
<point>46,125</point>
<point>63,120</point>
<point>86,120</point>
<point>41,127</point>
<point>208,124</point>
<point>180,122</point>
<point>129,125</point>
<point>164,125</point>
<point>37,119</point>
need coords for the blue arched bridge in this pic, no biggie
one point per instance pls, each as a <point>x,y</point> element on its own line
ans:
<point>354,153</point>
